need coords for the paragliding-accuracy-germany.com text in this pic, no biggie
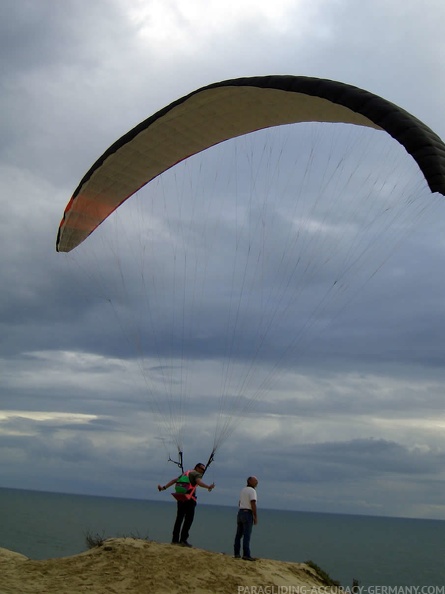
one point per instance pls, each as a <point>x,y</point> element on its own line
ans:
<point>377,589</point>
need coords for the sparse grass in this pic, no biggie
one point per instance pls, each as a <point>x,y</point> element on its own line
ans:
<point>323,575</point>
<point>94,541</point>
<point>98,540</point>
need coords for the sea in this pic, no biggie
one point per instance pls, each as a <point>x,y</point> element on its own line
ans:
<point>381,553</point>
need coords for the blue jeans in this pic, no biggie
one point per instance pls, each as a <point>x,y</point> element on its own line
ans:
<point>244,522</point>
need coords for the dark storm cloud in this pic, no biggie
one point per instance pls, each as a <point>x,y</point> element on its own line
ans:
<point>358,458</point>
<point>372,456</point>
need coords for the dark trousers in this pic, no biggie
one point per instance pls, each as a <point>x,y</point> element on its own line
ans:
<point>184,518</point>
<point>244,525</point>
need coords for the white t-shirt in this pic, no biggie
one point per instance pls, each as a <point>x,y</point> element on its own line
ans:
<point>248,494</point>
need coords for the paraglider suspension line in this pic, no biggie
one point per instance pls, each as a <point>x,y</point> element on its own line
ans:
<point>178,462</point>
<point>209,461</point>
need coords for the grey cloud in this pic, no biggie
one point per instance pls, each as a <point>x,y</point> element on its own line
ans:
<point>73,80</point>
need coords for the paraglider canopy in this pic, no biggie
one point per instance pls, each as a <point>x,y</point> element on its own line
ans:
<point>216,283</point>
<point>225,110</point>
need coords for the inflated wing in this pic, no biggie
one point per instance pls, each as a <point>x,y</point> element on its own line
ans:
<point>225,110</point>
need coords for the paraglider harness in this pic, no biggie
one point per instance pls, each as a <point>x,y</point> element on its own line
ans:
<point>184,490</point>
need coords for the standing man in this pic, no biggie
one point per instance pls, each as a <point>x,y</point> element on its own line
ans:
<point>186,501</point>
<point>246,518</point>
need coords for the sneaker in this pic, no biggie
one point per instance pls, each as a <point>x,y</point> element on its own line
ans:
<point>175,542</point>
<point>237,556</point>
<point>185,544</point>
<point>249,558</point>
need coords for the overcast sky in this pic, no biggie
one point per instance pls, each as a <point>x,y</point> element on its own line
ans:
<point>354,423</point>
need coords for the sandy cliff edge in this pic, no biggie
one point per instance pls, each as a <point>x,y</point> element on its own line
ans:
<point>131,565</point>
